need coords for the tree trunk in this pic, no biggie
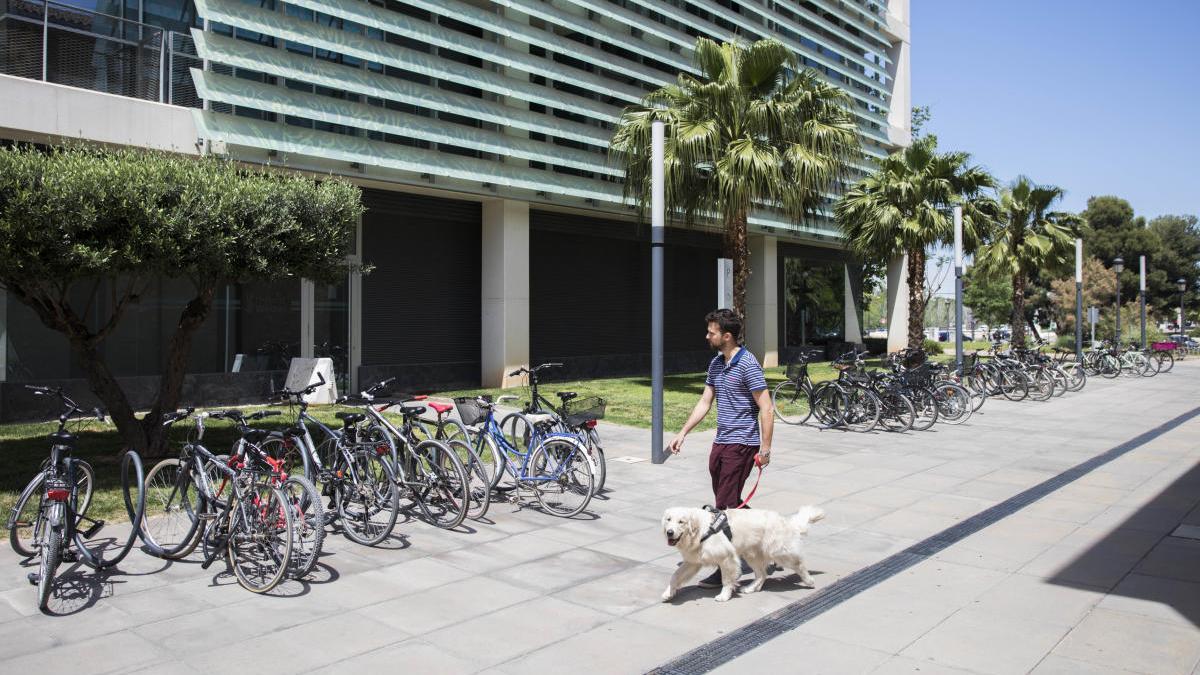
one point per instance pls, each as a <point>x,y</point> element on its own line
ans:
<point>174,368</point>
<point>737,249</point>
<point>106,388</point>
<point>1018,311</point>
<point>916,297</point>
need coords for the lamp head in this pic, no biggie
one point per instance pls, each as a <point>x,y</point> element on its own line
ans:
<point>1118,265</point>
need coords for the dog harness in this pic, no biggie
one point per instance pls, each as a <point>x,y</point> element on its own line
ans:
<point>720,523</point>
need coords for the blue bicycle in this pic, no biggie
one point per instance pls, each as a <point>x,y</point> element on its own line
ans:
<point>553,465</point>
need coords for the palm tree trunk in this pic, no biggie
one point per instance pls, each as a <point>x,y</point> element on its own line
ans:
<point>737,249</point>
<point>916,297</point>
<point>1018,310</point>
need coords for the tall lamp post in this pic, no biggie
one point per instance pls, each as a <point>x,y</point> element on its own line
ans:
<point>1182,283</point>
<point>657,240</point>
<point>1118,267</point>
<point>1142,297</point>
<point>958,290</point>
<point>1079,300</point>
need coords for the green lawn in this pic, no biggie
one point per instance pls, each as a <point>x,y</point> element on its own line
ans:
<point>24,447</point>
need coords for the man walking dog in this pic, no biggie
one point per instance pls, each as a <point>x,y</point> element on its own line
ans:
<point>745,417</point>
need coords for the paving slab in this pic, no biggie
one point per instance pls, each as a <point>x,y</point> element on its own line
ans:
<point>1054,587</point>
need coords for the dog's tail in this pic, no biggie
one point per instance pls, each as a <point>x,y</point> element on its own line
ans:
<point>806,516</point>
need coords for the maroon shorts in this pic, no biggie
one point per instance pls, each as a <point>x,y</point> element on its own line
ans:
<point>730,464</point>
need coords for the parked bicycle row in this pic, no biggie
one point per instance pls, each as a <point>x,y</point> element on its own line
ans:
<point>264,506</point>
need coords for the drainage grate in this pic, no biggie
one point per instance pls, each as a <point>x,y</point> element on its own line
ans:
<point>712,654</point>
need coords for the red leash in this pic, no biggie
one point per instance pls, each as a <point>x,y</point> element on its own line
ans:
<point>758,463</point>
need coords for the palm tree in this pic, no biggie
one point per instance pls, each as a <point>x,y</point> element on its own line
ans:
<point>904,207</point>
<point>1030,237</point>
<point>750,131</point>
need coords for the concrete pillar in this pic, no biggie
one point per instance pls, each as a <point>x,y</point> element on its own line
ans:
<point>505,338</point>
<point>897,303</point>
<point>900,70</point>
<point>851,302</point>
<point>762,303</point>
<point>308,315</point>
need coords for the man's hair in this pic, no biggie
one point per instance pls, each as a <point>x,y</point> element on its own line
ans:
<point>727,321</point>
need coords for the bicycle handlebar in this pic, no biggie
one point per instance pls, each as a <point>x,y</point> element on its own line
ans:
<point>289,393</point>
<point>522,370</point>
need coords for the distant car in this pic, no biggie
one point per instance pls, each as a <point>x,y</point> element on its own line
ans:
<point>1185,341</point>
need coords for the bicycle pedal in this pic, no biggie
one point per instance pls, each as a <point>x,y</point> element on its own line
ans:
<point>94,529</point>
<point>33,578</point>
<point>69,555</point>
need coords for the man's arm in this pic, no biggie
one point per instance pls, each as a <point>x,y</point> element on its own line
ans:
<point>766,424</point>
<point>698,414</point>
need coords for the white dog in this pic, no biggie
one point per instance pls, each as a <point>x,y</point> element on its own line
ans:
<point>760,537</point>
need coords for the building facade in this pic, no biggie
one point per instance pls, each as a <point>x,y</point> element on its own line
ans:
<point>478,130</point>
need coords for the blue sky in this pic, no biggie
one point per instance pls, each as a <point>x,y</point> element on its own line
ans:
<point>1097,97</point>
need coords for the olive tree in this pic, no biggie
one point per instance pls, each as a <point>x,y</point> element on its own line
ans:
<point>73,217</point>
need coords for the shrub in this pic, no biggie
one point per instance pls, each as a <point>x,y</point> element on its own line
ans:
<point>932,347</point>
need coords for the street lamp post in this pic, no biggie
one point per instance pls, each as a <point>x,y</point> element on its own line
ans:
<point>1182,283</point>
<point>958,290</point>
<point>1079,300</point>
<point>1142,297</point>
<point>1118,267</point>
<point>657,241</point>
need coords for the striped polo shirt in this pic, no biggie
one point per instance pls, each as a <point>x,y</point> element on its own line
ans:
<point>735,384</point>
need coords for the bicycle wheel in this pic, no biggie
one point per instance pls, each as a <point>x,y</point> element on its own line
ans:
<point>1076,376</point>
<point>479,486</point>
<point>171,524</point>
<point>1109,366</point>
<point>23,531</point>
<point>598,459</point>
<point>260,528</point>
<point>1165,361</point>
<point>51,556</point>
<point>308,524</point>
<point>1041,385</point>
<point>826,404</point>
<point>925,410</point>
<point>897,414</point>
<point>1061,382</point>
<point>1014,385</point>
<point>367,498</point>
<point>561,477</point>
<point>1146,365</point>
<point>453,430</point>
<point>792,405</point>
<point>861,413</point>
<point>490,455</point>
<point>439,484</point>
<point>953,402</point>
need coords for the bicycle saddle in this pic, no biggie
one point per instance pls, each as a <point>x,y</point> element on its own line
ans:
<point>255,436</point>
<point>567,395</point>
<point>413,412</point>
<point>349,418</point>
<point>441,408</point>
<point>539,418</point>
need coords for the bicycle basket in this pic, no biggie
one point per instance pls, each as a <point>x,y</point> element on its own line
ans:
<point>577,412</point>
<point>856,376</point>
<point>797,371</point>
<point>969,361</point>
<point>469,410</point>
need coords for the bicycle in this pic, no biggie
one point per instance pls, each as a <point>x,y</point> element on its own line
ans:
<point>360,481</point>
<point>253,527</point>
<point>580,421</point>
<point>792,398</point>
<point>429,471</point>
<point>454,433</point>
<point>848,400</point>
<point>554,466</point>
<point>53,521</point>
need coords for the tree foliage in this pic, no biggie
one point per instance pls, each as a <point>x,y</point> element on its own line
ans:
<point>1031,237</point>
<point>751,130</point>
<point>988,295</point>
<point>904,207</point>
<point>72,217</point>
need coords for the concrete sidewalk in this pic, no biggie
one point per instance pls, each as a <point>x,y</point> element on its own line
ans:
<point>1086,578</point>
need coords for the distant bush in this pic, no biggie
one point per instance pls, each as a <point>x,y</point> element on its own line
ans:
<point>932,347</point>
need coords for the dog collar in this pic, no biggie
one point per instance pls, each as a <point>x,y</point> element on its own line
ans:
<point>720,523</point>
